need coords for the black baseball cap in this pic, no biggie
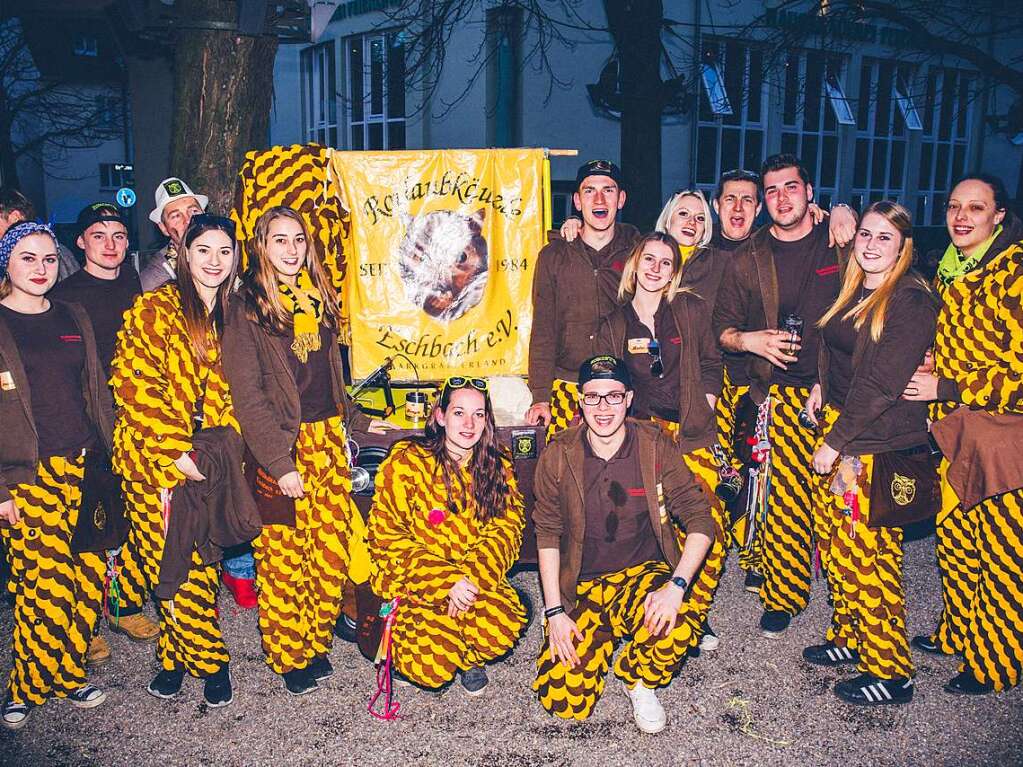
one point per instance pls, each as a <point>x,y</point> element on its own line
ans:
<point>97,212</point>
<point>599,168</point>
<point>604,367</point>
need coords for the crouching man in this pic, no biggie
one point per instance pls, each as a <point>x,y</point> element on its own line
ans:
<point>623,530</point>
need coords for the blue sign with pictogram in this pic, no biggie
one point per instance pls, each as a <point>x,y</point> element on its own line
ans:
<point>125,197</point>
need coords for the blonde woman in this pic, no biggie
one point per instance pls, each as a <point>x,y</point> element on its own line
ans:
<point>874,337</point>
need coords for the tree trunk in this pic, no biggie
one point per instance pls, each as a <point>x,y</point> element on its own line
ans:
<point>8,162</point>
<point>223,87</point>
<point>635,26</point>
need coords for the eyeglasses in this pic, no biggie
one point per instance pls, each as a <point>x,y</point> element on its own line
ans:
<point>462,382</point>
<point>612,398</point>
<point>656,366</point>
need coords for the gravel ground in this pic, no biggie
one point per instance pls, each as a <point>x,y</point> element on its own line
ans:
<point>752,702</point>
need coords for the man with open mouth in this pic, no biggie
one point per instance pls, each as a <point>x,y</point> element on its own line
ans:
<point>574,286</point>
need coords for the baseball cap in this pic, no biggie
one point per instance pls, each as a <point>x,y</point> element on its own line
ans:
<point>604,367</point>
<point>599,168</point>
<point>171,189</point>
<point>98,211</point>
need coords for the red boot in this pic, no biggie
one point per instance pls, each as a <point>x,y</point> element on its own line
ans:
<point>243,590</point>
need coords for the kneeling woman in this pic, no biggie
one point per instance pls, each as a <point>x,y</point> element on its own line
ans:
<point>662,332</point>
<point>54,406</point>
<point>282,361</point>
<point>874,337</point>
<point>168,383</point>
<point>445,528</point>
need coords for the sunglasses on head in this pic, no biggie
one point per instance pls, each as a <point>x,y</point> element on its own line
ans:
<point>464,382</point>
<point>656,366</point>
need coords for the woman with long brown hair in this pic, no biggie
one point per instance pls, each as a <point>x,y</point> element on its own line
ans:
<point>283,364</point>
<point>445,528</point>
<point>662,332</point>
<point>875,335</point>
<point>167,382</point>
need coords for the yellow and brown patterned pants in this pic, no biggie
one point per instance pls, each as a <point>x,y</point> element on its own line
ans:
<point>57,594</point>
<point>749,558</point>
<point>980,556</point>
<point>190,638</point>
<point>564,406</point>
<point>430,647</point>
<point>789,527</point>
<point>610,610</point>
<point>302,570</point>
<point>865,569</point>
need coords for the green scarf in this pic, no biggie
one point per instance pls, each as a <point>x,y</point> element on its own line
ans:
<point>953,266</point>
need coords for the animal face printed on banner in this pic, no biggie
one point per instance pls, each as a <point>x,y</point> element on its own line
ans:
<point>443,262</point>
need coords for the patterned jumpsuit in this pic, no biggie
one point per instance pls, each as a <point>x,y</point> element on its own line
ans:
<point>421,548</point>
<point>157,383</point>
<point>979,345</point>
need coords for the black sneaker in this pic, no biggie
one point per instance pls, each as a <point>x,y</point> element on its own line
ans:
<point>346,629</point>
<point>217,688</point>
<point>474,680</point>
<point>830,654</point>
<point>166,684</point>
<point>869,690</point>
<point>926,644</point>
<point>88,696</point>
<point>753,582</point>
<point>14,715</point>
<point>774,622</point>
<point>299,681</point>
<point>965,683</point>
<point>320,668</point>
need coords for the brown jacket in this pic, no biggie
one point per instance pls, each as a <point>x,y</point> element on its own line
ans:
<point>748,300</point>
<point>699,371</point>
<point>874,417</point>
<point>265,395</point>
<point>570,297</point>
<point>984,452</point>
<point>702,274</point>
<point>560,518</point>
<point>19,440</point>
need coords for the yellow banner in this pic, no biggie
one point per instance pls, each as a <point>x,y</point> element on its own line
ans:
<point>443,247</point>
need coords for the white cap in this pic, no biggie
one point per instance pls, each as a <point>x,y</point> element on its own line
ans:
<point>171,189</point>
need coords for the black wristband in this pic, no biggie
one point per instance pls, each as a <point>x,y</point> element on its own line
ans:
<point>550,612</point>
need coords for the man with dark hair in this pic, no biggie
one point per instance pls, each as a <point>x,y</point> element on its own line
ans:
<point>15,207</point>
<point>628,553</point>
<point>779,284</point>
<point>574,286</point>
<point>106,287</point>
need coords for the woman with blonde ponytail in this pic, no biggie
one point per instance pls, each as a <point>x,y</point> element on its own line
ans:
<point>873,338</point>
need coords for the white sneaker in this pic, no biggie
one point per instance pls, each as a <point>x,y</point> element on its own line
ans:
<point>709,640</point>
<point>646,709</point>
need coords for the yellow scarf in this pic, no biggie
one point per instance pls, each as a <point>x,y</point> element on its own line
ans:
<point>686,251</point>
<point>306,306</point>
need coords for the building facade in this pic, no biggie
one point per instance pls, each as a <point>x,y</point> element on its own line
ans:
<point>870,116</point>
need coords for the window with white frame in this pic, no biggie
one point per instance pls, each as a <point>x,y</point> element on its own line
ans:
<point>947,129</point>
<point>731,130</point>
<point>319,94</point>
<point>885,115</point>
<point>814,105</point>
<point>376,91</point>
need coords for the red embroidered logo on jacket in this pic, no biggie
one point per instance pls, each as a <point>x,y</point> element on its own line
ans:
<point>71,339</point>
<point>676,340</point>
<point>636,492</point>
<point>826,270</point>
<point>618,266</point>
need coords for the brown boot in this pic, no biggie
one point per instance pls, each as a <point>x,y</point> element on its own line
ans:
<point>98,652</point>
<point>137,627</point>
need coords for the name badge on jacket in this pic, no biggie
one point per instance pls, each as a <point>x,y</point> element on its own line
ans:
<point>6,381</point>
<point>639,345</point>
